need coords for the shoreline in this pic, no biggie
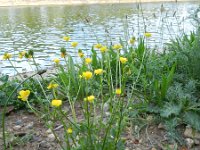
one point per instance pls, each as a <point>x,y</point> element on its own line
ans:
<point>6,3</point>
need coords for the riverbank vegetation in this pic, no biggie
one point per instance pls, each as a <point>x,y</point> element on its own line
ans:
<point>95,98</point>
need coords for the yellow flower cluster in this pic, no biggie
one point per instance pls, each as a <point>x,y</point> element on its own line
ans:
<point>81,54</point>
<point>88,61</point>
<point>90,98</point>
<point>98,71</point>
<point>66,38</point>
<point>56,103</point>
<point>52,86</point>
<point>118,91</point>
<point>123,60</point>
<point>24,94</point>
<point>87,75</point>
<point>98,46</point>
<point>147,34</point>
<point>7,56</point>
<point>117,46</point>
<point>132,40</point>
<point>63,55</point>
<point>22,54</point>
<point>74,44</point>
<point>103,49</point>
<point>56,61</point>
<point>69,130</point>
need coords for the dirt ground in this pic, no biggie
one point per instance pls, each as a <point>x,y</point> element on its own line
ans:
<point>27,132</point>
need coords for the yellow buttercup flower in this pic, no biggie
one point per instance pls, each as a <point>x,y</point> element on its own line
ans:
<point>63,52</point>
<point>117,46</point>
<point>90,98</point>
<point>74,44</point>
<point>132,40</point>
<point>147,34</point>
<point>66,38</point>
<point>24,94</point>
<point>88,60</point>
<point>63,55</point>
<point>98,71</point>
<point>69,130</point>
<point>56,61</point>
<point>118,91</point>
<point>22,54</point>
<point>56,102</point>
<point>98,46</point>
<point>52,86</point>
<point>87,75</point>
<point>81,54</point>
<point>103,49</point>
<point>123,60</point>
<point>7,56</point>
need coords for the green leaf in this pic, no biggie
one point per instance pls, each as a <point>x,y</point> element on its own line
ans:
<point>170,109</point>
<point>192,118</point>
<point>94,59</point>
<point>4,79</point>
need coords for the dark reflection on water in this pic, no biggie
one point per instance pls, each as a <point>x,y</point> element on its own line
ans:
<point>41,28</point>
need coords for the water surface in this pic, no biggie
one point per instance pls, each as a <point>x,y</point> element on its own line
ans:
<point>41,28</point>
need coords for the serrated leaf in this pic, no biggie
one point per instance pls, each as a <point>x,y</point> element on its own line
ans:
<point>170,109</point>
<point>193,119</point>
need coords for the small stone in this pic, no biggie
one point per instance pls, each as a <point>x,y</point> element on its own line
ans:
<point>189,142</point>
<point>196,142</point>
<point>29,126</point>
<point>44,144</point>
<point>161,126</point>
<point>24,118</point>
<point>49,131</point>
<point>17,127</point>
<point>36,138</point>
<point>140,141</point>
<point>18,122</point>
<point>190,133</point>
<point>10,130</point>
<point>51,137</point>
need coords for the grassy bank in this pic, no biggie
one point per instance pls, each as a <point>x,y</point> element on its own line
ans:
<point>115,87</point>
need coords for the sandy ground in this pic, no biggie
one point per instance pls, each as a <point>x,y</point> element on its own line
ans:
<point>75,2</point>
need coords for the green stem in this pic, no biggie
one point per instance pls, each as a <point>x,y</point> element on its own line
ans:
<point>15,69</point>
<point>65,128</point>
<point>119,127</point>
<point>88,122</point>
<point>35,64</point>
<point>107,129</point>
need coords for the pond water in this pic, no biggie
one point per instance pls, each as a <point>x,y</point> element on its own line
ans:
<point>41,28</point>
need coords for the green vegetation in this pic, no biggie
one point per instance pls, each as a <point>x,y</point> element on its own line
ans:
<point>116,86</point>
